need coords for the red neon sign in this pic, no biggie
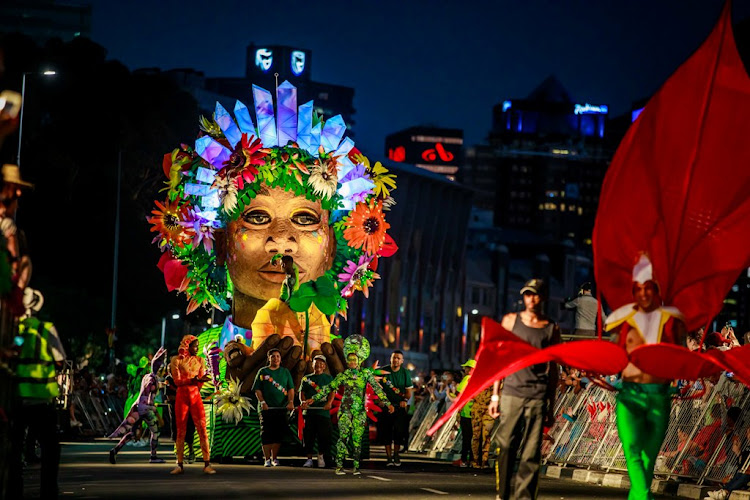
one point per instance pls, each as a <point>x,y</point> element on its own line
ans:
<point>439,151</point>
<point>398,154</point>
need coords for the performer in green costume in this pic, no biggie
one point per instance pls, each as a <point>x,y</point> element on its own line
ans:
<point>352,414</point>
<point>644,401</point>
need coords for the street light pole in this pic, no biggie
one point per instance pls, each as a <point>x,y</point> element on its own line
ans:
<point>20,120</point>
<point>23,106</point>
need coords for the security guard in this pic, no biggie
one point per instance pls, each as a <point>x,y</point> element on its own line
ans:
<point>41,352</point>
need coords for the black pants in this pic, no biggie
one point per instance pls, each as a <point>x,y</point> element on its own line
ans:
<point>521,425</point>
<point>42,421</point>
<point>393,428</point>
<point>466,434</point>
<point>318,427</point>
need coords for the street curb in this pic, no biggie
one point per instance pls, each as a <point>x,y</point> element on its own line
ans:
<point>693,491</point>
<point>664,487</point>
<point>557,472</point>
<point>588,476</point>
<point>616,481</point>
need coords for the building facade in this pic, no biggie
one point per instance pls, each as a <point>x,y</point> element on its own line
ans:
<point>418,304</point>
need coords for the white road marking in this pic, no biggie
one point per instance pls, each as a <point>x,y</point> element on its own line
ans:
<point>437,492</point>
<point>380,478</point>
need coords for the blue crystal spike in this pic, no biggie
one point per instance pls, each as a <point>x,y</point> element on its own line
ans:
<point>334,130</point>
<point>211,151</point>
<point>227,125</point>
<point>243,119</point>
<point>304,126</point>
<point>315,140</point>
<point>264,117</point>
<point>286,99</point>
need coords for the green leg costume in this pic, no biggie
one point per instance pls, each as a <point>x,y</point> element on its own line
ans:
<point>350,426</point>
<point>642,420</point>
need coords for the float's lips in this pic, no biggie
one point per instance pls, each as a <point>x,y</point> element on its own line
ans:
<point>275,274</point>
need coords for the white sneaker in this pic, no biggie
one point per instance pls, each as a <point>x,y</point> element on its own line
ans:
<point>275,462</point>
<point>308,463</point>
<point>267,463</point>
<point>321,462</point>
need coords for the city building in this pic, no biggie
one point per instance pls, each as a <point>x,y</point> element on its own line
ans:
<point>263,63</point>
<point>548,158</point>
<point>43,20</point>
<point>418,303</point>
<point>438,150</point>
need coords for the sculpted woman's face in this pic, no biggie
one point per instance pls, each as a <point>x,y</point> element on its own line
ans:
<point>278,221</point>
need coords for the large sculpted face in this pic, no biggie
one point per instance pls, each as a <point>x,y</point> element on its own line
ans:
<point>278,222</point>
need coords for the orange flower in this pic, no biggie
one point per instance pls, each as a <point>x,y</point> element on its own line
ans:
<point>167,222</point>
<point>366,227</point>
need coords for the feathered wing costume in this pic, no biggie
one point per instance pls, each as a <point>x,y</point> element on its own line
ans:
<point>677,191</point>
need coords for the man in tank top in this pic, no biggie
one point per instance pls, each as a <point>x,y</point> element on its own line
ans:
<point>528,398</point>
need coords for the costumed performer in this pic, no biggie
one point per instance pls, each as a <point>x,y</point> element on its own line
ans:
<point>644,401</point>
<point>143,410</point>
<point>352,412</point>
<point>318,425</point>
<point>189,374</point>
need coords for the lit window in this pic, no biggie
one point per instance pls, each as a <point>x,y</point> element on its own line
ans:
<point>580,211</point>
<point>562,207</point>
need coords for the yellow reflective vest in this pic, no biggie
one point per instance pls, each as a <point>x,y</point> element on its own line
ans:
<point>35,372</point>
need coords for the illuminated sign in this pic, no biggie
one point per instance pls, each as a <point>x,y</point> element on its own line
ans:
<point>264,59</point>
<point>506,106</point>
<point>434,149</point>
<point>398,154</point>
<point>438,151</point>
<point>298,62</point>
<point>588,109</point>
<point>634,114</point>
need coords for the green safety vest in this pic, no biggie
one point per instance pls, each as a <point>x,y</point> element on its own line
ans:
<point>35,372</point>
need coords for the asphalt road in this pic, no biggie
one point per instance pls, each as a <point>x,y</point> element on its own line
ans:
<point>86,473</point>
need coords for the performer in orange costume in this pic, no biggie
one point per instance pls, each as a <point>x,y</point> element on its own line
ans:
<point>189,374</point>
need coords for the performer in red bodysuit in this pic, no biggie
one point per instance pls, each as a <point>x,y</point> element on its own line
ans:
<point>189,374</point>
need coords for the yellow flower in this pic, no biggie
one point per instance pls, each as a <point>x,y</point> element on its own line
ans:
<point>384,182</point>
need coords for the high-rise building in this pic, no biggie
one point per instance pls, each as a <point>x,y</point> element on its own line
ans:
<point>439,150</point>
<point>43,20</point>
<point>551,158</point>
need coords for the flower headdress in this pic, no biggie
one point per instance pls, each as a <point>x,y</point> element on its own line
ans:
<point>294,149</point>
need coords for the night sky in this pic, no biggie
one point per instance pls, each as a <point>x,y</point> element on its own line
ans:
<point>425,62</point>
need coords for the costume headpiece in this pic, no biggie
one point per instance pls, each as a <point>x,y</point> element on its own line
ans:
<point>158,360</point>
<point>643,271</point>
<point>293,148</point>
<point>185,345</point>
<point>357,345</point>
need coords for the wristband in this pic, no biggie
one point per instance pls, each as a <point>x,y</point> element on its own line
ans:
<point>495,398</point>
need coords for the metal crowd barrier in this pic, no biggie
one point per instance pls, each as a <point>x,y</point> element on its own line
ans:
<point>101,413</point>
<point>698,443</point>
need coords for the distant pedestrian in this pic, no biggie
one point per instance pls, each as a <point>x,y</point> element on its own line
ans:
<point>585,307</point>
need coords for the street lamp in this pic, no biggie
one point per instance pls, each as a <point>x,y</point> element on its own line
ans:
<point>48,72</point>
